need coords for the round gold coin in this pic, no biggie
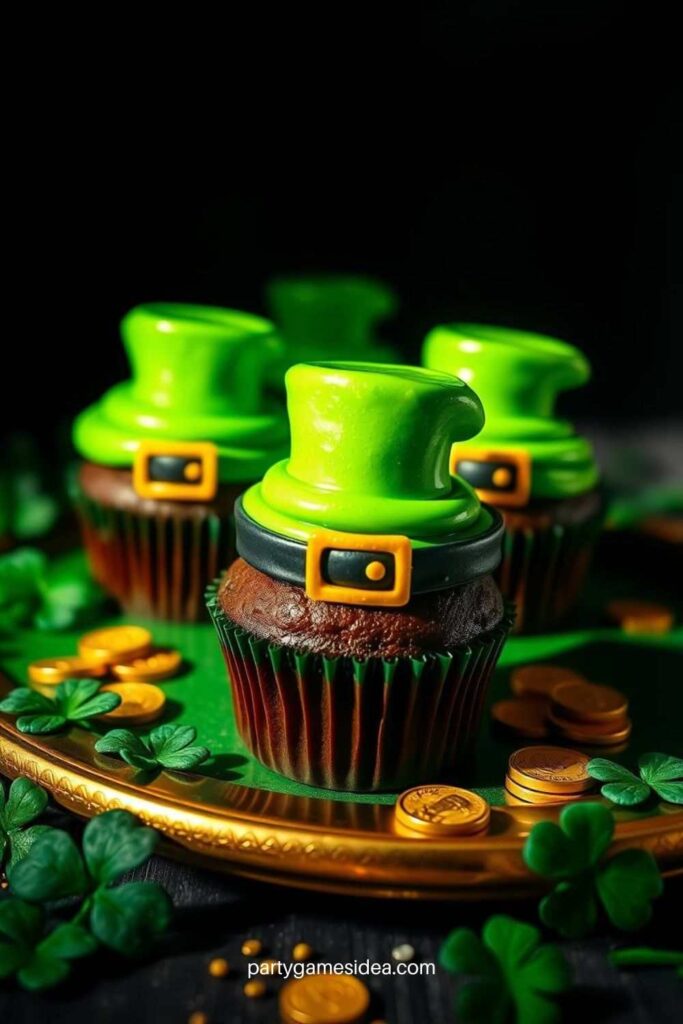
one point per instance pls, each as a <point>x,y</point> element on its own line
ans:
<point>591,735</point>
<point>533,796</point>
<point>324,999</point>
<point>540,680</point>
<point>589,702</point>
<point>441,810</point>
<point>51,671</point>
<point>140,702</point>
<point>159,664</point>
<point>115,644</point>
<point>641,616</point>
<point>550,770</point>
<point>525,716</point>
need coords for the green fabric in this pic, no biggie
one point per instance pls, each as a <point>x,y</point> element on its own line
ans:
<point>518,376</point>
<point>370,450</point>
<point>198,374</point>
<point>329,316</point>
<point>201,696</point>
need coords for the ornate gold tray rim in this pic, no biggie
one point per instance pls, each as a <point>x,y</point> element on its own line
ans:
<point>295,849</point>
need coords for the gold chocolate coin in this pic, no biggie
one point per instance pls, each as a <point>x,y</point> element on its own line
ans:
<point>324,999</point>
<point>540,680</point>
<point>158,664</point>
<point>641,616</point>
<point>140,702</point>
<point>526,716</point>
<point>589,702</point>
<point>550,770</point>
<point>592,735</point>
<point>115,644</point>
<point>532,796</point>
<point>442,810</point>
<point>51,671</point>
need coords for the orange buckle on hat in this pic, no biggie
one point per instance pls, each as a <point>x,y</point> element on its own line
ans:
<point>501,476</point>
<point>382,580</point>
<point>176,470</point>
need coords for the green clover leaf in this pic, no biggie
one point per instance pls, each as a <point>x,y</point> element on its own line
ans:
<point>38,960</point>
<point>511,972</point>
<point>75,700</point>
<point>25,802</point>
<point>571,854</point>
<point>660,773</point>
<point>30,596</point>
<point>125,919</point>
<point>167,746</point>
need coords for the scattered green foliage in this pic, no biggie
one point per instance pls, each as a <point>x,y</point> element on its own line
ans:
<point>645,956</point>
<point>660,773</point>
<point>38,959</point>
<point>127,918</point>
<point>167,746</point>
<point>25,802</point>
<point>30,598</point>
<point>572,855</point>
<point>75,700</point>
<point>514,976</point>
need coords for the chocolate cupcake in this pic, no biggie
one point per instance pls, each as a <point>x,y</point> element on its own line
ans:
<point>361,623</point>
<point>328,316</point>
<point>167,452</point>
<point>527,462</point>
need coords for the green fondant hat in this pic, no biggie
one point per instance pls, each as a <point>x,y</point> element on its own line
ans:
<point>197,376</point>
<point>330,317</point>
<point>518,375</point>
<point>370,455</point>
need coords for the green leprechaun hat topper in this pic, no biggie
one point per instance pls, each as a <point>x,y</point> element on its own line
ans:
<point>198,376</point>
<point>365,503</point>
<point>524,450</point>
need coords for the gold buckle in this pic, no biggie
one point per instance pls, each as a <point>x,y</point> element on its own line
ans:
<point>320,589</point>
<point>191,470</point>
<point>510,480</point>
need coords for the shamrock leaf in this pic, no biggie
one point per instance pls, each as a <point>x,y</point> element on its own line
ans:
<point>38,960</point>
<point>571,855</point>
<point>167,746</point>
<point>24,803</point>
<point>21,575</point>
<point>622,786</point>
<point>125,919</point>
<point>29,596</point>
<point>658,772</point>
<point>75,700</point>
<point>512,973</point>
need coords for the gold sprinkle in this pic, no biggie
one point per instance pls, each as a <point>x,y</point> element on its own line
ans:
<point>219,967</point>
<point>198,1018</point>
<point>255,989</point>
<point>302,951</point>
<point>252,947</point>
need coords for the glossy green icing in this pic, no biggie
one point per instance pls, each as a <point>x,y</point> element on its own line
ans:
<point>197,375</point>
<point>330,316</point>
<point>370,449</point>
<point>518,376</point>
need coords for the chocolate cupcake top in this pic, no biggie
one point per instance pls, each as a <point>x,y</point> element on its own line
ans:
<point>365,511</point>
<point>194,412</point>
<point>524,451</point>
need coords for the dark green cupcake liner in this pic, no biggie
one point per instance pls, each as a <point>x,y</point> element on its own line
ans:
<point>544,568</point>
<point>344,723</point>
<point>157,565</point>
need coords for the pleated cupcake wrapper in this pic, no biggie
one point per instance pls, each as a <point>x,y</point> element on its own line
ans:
<point>544,568</point>
<point>343,723</point>
<point>156,566</point>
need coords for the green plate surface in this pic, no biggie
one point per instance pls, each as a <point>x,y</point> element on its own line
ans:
<point>647,669</point>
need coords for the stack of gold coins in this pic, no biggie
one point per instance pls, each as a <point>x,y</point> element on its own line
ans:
<point>547,775</point>
<point>441,811</point>
<point>590,714</point>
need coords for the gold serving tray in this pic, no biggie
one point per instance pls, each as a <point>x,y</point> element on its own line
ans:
<point>308,842</point>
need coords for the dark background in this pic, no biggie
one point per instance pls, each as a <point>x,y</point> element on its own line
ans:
<point>501,160</point>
